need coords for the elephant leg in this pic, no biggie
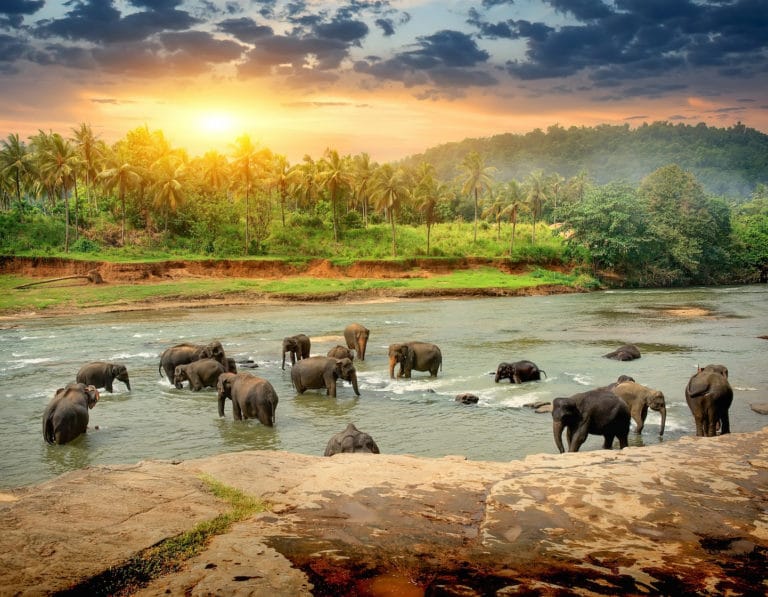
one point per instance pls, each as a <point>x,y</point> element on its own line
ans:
<point>108,386</point>
<point>725,424</point>
<point>579,437</point>
<point>237,412</point>
<point>608,441</point>
<point>623,440</point>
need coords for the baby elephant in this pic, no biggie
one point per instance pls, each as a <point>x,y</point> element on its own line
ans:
<point>66,416</point>
<point>639,399</point>
<point>101,375</point>
<point>200,374</point>
<point>518,372</point>
<point>351,440</point>
<point>252,397</point>
<point>341,352</point>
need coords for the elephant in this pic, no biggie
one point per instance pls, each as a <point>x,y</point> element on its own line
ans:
<point>709,396</point>
<point>415,356</point>
<point>518,372</point>
<point>66,416</point>
<point>203,373</point>
<point>252,397</point>
<point>640,398</point>
<point>356,336</point>
<point>467,398</point>
<point>181,354</point>
<point>298,346</point>
<point>628,352</point>
<point>322,372</point>
<point>101,375</point>
<point>341,352</point>
<point>596,412</point>
<point>351,440</point>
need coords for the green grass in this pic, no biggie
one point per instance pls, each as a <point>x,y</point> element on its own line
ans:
<point>42,297</point>
<point>169,555</point>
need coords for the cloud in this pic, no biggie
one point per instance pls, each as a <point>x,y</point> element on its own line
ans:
<point>245,29</point>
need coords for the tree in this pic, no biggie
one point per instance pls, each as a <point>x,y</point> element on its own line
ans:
<point>15,162</point>
<point>90,152</point>
<point>536,195</point>
<point>389,189</point>
<point>244,154</point>
<point>168,187</point>
<point>59,163</point>
<point>427,193</point>
<point>335,177</point>
<point>120,174</point>
<point>362,172</point>
<point>280,177</point>
<point>477,177</point>
<point>513,197</point>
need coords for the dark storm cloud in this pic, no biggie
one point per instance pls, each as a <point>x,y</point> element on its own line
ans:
<point>203,45</point>
<point>344,30</point>
<point>276,50</point>
<point>245,29</point>
<point>446,58</point>
<point>11,49</point>
<point>99,21</point>
<point>387,26</point>
<point>20,7</point>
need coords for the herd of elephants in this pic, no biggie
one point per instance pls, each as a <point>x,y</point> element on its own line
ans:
<point>605,411</point>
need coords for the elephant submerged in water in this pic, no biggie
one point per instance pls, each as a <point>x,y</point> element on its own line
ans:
<point>66,416</point>
<point>595,412</point>
<point>518,372</point>
<point>356,337</point>
<point>414,356</point>
<point>323,372</point>
<point>181,354</point>
<point>297,346</point>
<point>101,375</point>
<point>351,440</point>
<point>252,397</point>
<point>709,396</point>
<point>628,352</point>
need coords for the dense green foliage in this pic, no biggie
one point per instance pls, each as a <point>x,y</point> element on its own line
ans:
<point>141,198</point>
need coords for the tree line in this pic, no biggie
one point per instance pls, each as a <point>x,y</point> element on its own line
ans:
<point>666,229</point>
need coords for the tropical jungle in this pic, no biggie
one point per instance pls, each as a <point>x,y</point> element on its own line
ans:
<point>660,205</point>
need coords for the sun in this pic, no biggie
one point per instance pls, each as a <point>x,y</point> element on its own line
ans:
<point>216,123</point>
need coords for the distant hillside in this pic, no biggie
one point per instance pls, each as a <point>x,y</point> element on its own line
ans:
<point>727,161</point>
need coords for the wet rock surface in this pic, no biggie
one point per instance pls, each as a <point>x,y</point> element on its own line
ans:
<point>684,517</point>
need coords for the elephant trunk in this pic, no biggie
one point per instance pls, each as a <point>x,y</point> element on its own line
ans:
<point>557,430</point>
<point>353,381</point>
<point>392,363</point>
<point>127,383</point>
<point>362,343</point>
<point>222,399</point>
<point>663,411</point>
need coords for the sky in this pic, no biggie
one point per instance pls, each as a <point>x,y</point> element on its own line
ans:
<point>387,77</point>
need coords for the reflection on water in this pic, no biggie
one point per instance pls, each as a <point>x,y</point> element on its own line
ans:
<point>566,336</point>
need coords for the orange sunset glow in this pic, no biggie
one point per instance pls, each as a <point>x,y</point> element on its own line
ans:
<point>390,78</point>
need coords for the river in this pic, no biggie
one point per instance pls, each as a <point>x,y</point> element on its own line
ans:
<point>566,335</point>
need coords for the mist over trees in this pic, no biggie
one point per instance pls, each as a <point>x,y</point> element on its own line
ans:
<point>526,198</point>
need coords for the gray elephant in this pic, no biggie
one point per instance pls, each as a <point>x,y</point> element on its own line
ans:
<point>414,356</point>
<point>341,352</point>
<point>639,399</point>
<point>203,373</point>
<point>596,412</point>
<point>356,336</point>
<point>298,347</point>
<point>66,416</point>
<point>323,372</point>
<point>351,440</point>
<point>709,396</point>
<point>519,372</point>
<point>628,352</point>
<point>101,375</point>
<point>252,397</point>
<point>181,354</point>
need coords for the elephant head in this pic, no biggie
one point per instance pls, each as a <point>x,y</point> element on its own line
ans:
<point>656,402</point>
<point>180,376</point>
<point>565,415</point>
<point>214,350</point>
<point>120,372</point>
<point>224,389</point>
<point>398,354</point>
<point>346,371</point>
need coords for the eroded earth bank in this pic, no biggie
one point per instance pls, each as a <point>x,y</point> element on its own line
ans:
<point>683,517</point>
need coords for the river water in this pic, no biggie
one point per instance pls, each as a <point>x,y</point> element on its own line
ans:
<point>564,334</point>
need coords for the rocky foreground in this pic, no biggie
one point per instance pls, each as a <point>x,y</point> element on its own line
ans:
<point>684,517</point>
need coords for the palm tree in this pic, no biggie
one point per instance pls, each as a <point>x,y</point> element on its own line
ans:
<point>513,196</point>
<point>427,193</point>
<point>478,176</point>
<point>280,177</point>
<point>215,172</point>
<point>244,154</point>
<point>59,164</point>
<point>362,171</point>
<point>89,149</point>
<point>168,187</point>
<point>536,196</point>
<point>389,189</point>
<point>16,163</point>
<point>494,210</point>
<point>555,184</point>
<point>335,177</point>
<point>122,175</point>
<point>304,181</point>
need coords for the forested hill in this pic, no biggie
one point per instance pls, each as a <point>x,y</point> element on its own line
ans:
<point>727,161</point>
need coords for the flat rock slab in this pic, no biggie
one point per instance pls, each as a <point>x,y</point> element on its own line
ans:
<point>683,517</point>
<point>760,407</point>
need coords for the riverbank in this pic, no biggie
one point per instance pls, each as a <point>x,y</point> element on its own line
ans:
<point>683,517</point>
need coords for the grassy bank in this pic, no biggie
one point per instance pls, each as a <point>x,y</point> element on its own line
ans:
<point>66,295</point>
